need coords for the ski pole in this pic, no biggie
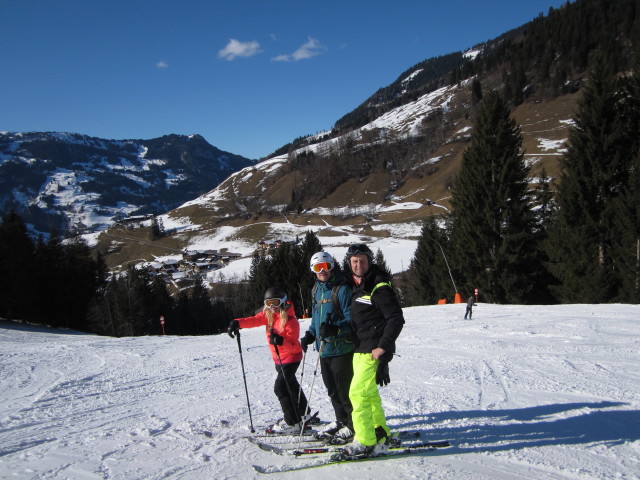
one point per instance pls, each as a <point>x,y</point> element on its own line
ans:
<point>304,358</point>
<point>315,373</point>
<point>244,377</point>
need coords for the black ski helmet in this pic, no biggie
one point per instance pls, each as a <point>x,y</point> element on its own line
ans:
<point>275,292</point>
<point>360,249</point>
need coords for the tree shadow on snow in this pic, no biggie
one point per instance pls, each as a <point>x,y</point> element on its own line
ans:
<point>499,430</point>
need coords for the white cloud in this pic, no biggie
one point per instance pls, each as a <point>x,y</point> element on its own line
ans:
<point>310,48</point>
<point>162,64</point>
<point>282,58</point>
<point>236,48</point>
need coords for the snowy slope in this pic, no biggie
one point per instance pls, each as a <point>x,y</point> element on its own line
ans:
<point>523,392</point>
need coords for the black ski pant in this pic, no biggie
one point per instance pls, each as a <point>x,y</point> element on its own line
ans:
<point>288,396</point>
<point>337,373</point>
<point>468,312</point>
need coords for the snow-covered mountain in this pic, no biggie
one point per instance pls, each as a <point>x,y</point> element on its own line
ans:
<point>71,181</point>
<point>521,392</point>
<point>254,204</point>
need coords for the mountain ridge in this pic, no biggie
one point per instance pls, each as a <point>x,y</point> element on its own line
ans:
<point>72,182</point>
<point>255,203</point>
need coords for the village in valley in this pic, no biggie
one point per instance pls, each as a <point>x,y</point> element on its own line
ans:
<point>196,264</point>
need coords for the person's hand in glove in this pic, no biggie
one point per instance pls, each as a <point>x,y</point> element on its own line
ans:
<point>382,373</point>
<point>233,328</point>
<point>328,330</point>
<point>307,340</point>
<point>275,339</point>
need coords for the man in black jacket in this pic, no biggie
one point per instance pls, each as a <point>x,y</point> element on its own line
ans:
<point>376,321</point>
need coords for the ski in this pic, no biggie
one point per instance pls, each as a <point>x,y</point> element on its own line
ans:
<point>289,445</point>
<point>394,439</point>
<point>289,437</point>
<point>339,457</point>
<point>285,448</point>
<point>393,447</point>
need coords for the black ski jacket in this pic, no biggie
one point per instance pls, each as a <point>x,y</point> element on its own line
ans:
<point>376,316</point>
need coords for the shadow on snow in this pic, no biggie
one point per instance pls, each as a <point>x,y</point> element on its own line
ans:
<point>499,430</point>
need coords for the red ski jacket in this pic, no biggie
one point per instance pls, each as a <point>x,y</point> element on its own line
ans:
<point>290,350</point>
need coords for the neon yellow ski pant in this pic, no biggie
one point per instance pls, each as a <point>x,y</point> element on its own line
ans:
<point>365,399</point>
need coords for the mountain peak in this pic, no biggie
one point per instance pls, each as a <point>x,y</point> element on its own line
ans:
<point>70,181</point>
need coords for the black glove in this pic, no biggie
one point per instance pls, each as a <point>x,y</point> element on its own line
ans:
<point>328,330</point>
<point>275,339</point>
<point>233,328</point>
<point>382,373</point>
<point>306,340</point>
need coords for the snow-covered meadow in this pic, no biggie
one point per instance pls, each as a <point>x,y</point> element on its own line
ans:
<point>522,392</point>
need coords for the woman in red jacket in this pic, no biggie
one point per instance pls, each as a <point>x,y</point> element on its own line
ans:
<point>283,331</point>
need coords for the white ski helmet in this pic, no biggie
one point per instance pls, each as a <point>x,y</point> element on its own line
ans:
<point>321,257</point>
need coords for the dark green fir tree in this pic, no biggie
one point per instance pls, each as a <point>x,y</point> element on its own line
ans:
<point>429,277</point>
<point>381,262</point>
<point>492,220</point>
<point>16,267</point>
<point>259,280</point>
<point>308,247</point>
<point>595,172</point>
<point>626,244</point>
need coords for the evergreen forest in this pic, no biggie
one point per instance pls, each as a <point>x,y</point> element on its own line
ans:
<point>518,244</point>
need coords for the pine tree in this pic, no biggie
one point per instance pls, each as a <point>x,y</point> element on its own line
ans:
<point>595,173</point>
<point>543,207</point>
<point>160,304</point>
<point>542,202</point>
<point>182,315</point>
<point>626,245</point>
<point>16,267</point>
<point>309,246</point>
<point>429,278</point>
<point>380,261</point>
<point>492,221</point>
<point>287,271</point>
<point>476,91</point>
<point>101,317</point>
<point>258,278</point>
<point>49,280</point>
<point>157,228</point>
<point>125,307</point>
<point>201,309</point>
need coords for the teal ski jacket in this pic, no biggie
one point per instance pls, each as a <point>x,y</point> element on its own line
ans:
<point>323,310</point>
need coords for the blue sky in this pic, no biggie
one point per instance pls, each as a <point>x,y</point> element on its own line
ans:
<point>247,75</point>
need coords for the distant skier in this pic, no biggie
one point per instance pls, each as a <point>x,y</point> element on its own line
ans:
<point>470,303</point>
<point>283,330</point>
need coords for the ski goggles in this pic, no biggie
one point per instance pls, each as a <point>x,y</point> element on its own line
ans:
<point>318,267</point>
<point>360,249</point>
<point>274,302</point>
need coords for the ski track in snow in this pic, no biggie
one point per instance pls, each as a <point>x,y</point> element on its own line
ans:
<point>522,392</point>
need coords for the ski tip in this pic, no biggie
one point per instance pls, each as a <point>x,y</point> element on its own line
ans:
<point>260,469</point>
